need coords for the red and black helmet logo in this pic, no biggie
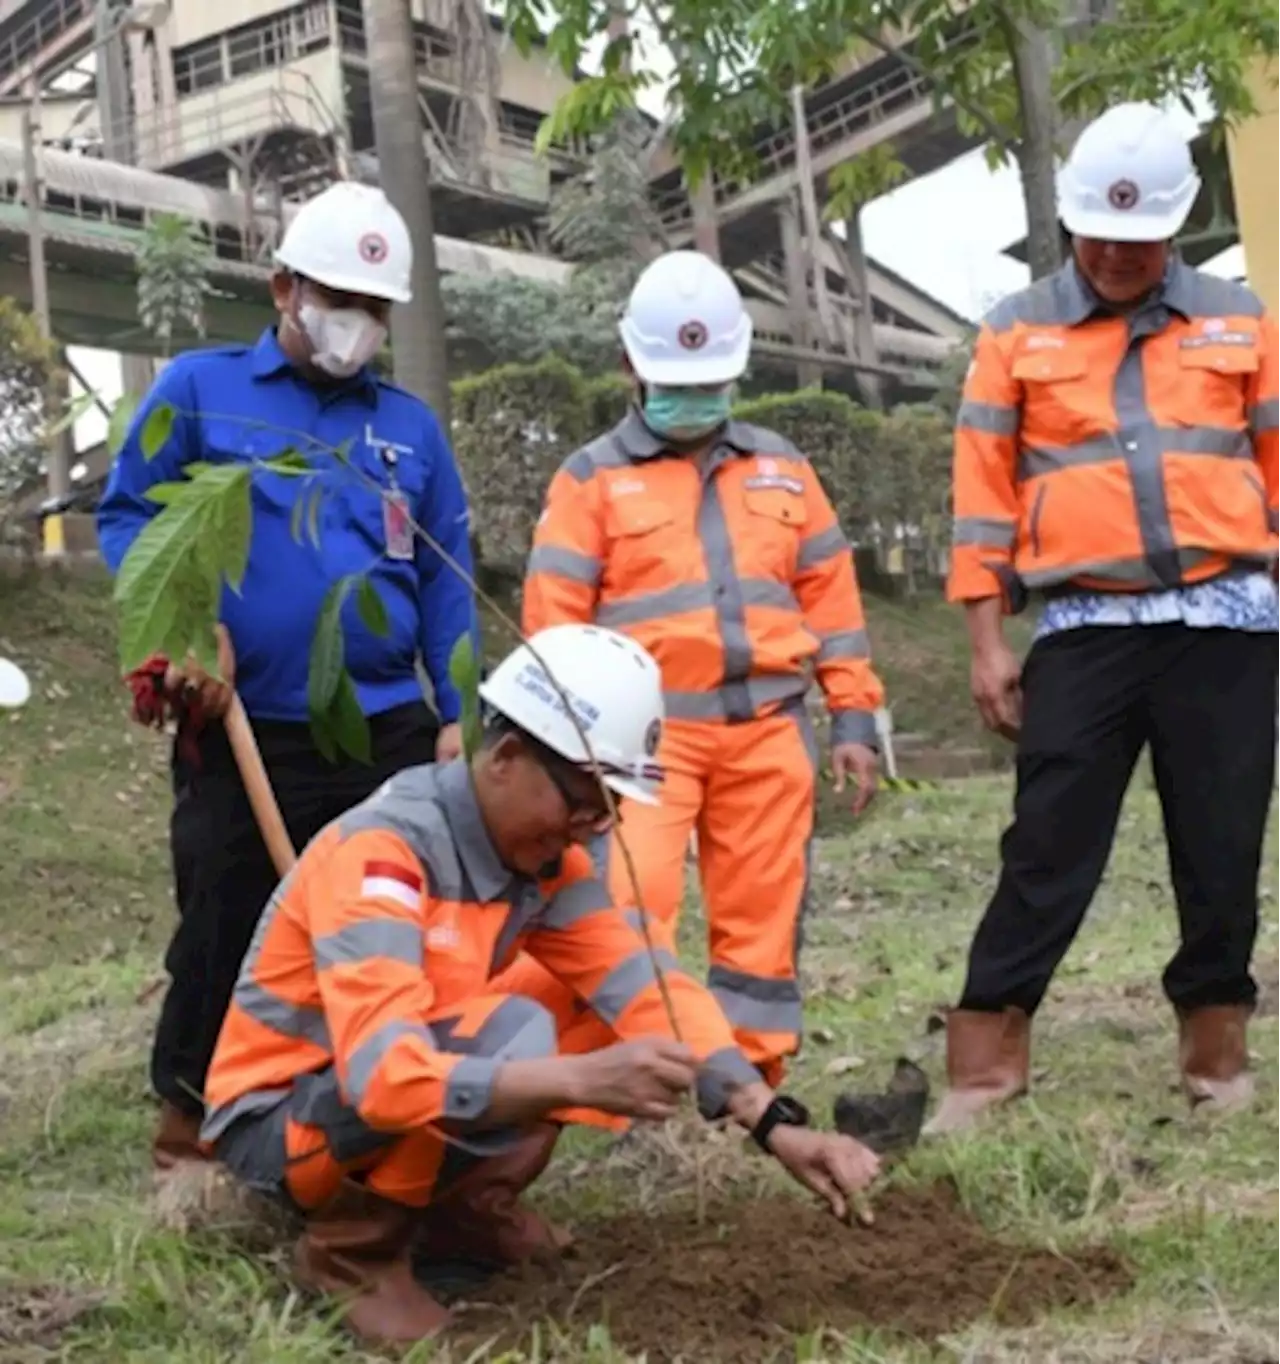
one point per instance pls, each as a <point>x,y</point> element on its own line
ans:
<point>692,336</point>
<point>373,248</point>
<point>1123,195</point>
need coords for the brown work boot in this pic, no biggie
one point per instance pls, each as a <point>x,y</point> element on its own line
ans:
<point>177,1138</point>
<point>1213,1056</point>
<point>480,1218</point>
<point>356,1246</point>
<point>988,1061</point>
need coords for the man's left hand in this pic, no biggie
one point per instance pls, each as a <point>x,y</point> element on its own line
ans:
<point>833,1166</point>
<point>860,764</point>
<point>449,743</point>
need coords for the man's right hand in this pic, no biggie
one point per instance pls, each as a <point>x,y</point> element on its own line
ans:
<point>995,680</point>
<point>642,1079</point>
<point>192,681</point>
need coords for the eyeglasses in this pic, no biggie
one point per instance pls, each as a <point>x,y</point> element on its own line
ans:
<point>587,809</point>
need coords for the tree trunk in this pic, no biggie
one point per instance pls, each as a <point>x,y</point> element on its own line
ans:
<point>418,328</point>
<point>1033,71</point>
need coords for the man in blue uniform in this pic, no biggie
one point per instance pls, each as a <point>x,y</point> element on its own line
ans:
<point>306,385</point>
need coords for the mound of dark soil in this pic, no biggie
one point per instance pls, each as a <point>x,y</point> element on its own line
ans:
<point>734,1289</point>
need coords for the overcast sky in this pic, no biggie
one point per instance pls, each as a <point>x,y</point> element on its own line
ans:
<point>945,233</point>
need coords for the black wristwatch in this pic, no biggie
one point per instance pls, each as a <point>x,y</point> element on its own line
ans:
<point>783,1110</point>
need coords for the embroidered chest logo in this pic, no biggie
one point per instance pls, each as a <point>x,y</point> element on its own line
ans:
<point>769,475</point>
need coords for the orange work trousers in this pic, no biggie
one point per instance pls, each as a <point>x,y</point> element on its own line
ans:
<point>748,791</point>
<point>305,1145</point>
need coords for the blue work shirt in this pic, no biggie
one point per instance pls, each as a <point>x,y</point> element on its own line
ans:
<point>244,403</point>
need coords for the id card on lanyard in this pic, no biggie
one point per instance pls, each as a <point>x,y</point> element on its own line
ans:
<point>397,532</point>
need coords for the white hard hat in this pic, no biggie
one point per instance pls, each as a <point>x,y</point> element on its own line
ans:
<point>15,686</point>
<point>1129,178</point>
<point>685,323</point>
<point>615,689</point>
<point>351,238</point>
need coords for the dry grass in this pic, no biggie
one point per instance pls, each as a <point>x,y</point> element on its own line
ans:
<point>1102,1151</point>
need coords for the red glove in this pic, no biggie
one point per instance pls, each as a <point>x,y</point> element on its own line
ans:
<point>154,707</point>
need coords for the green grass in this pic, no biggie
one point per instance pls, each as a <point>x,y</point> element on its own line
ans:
<point>1104,1151</point>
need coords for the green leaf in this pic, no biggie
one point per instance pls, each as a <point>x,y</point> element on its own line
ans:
<point>372,609</point>
<point>328,658</point>
<point>348,725</point>
<point>169,586</point>
<point>233,525</point>
<point>119,422</point>
<point>295,516</point>
<point>156,430</point>
<point>464,673</point>
<point>313,513</point>
<point>291,463</point>
<point>168,493</point>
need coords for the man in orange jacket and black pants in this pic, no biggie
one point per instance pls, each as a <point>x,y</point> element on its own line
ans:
<point>713,544</point>
<point>1116,451</point>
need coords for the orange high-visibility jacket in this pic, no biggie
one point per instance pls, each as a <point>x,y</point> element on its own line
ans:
<point>1121,452</point>
<point>734,574</point>
<point>401,909</point>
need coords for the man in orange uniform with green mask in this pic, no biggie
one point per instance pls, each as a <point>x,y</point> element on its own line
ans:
<point>713,544</point>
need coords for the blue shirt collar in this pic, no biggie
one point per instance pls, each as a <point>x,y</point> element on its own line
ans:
<point>270,362</point>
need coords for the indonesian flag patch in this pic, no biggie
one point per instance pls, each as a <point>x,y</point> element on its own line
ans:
<point>392,881</point>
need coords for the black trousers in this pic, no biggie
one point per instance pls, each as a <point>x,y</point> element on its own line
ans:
<point>1205,702</point>
<point>224,876</point>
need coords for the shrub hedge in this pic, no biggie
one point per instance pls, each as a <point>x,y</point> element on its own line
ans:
<point>886,473</point>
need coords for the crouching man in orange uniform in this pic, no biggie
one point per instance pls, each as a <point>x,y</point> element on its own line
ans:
<point>376,1072</point>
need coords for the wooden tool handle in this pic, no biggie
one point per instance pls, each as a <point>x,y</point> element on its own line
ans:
<point>256,782</point>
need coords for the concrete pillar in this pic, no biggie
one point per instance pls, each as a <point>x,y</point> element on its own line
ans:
<point>864,340</point>
<point>1251,149</point>
<point>136,373</point>
<point>807,374</point>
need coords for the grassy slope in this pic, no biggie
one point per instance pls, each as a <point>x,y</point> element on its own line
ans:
<point>1104,1150</point>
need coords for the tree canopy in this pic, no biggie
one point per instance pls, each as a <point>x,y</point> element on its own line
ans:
<point>1020,74</point>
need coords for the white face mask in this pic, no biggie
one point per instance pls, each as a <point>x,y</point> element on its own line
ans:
<point>343,340</point>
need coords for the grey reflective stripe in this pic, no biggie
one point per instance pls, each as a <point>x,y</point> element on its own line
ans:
<point>671,601</point>
<point>1135,571</point>
<point>301,1022</point>
<point>994,419</point>
<point>1264,416</point>
<point>730,603</point>
<point>816,549</point>
<point>756,1003</point>
<point>1144,452</point>
<point>810,739</point>
<point>605,452</point>
<point>997,532</point>
<point>1034,461</point>
<point>217,1120</point>
<point>843,644</point>
<point>575,902</point>
<point>627,981</point>
<point>721,1073</point>
<point>853,727</point>
<point>717,705</point>
<point>393,939</point>
<point>363,1062</point>
<point>565,563</point>
<point>674,601</point>
<point>469,1087</point>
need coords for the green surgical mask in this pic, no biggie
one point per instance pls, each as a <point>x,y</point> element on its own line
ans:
<point>686,413</point>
